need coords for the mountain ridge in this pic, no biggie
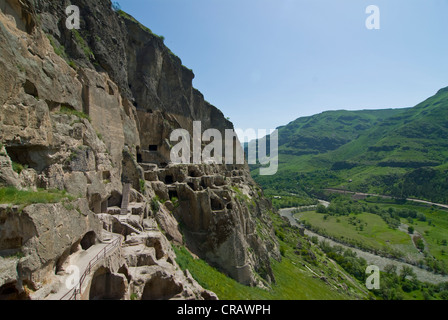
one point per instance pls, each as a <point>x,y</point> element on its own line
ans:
<point>350,143</point>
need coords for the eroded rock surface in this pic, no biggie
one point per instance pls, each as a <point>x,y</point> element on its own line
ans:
<point>79,116</point>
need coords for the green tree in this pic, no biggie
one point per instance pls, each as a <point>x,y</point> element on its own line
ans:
<point>420,244</point>
<point>407,271</point>
<point>390,269</point>
<point>321,209</point>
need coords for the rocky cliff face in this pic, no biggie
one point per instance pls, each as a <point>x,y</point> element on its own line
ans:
<point>90,111</point>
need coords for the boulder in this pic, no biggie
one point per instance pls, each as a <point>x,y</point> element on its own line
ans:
<point>169,225</point>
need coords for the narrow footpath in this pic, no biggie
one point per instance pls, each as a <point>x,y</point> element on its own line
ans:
<point>95,253</point>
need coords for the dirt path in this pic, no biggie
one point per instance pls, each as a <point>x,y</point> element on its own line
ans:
<point>371,258</point>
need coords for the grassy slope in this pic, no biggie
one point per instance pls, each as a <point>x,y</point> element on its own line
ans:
<point>293,283</point>
<point>303,141</point>
<point>293,280</point>
<point>24,197</point>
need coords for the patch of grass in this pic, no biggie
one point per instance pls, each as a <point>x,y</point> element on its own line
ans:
<point>155,204</point>
<point>241,197</point>
<point>82,43</point>
<point>58,48</point>
<point>14,196</point>
<point>21,68</point>
<point>17,255</point>
<point>73,64</point>
<point>18,167</point>
<point>67,110</point>
<point>100,136</point>
<point>175,202</point>
<point>142,185</point>
<point>69,206</point>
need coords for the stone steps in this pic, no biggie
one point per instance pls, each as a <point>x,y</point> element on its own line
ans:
<point>149,166</point>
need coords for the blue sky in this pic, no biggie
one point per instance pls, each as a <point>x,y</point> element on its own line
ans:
<point>265,63</point>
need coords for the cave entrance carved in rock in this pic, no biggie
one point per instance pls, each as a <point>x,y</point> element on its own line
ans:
<point>107,286</point>
<point>88,240</point>
<point>161,287</point>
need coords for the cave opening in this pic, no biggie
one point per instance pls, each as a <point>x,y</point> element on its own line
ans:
<point>107,286</point>
<point>216,204</point>
<point>88,240</point>
<point>161,288</point>
<point>114,200</point>
<point>106,175</point>
<point>30,89</point>
<point>194,173</point>
<point>28,157</point>
<point>9,292</point>
<point>173,194</point>
<point>59,266</point>
<point>192,186</point>
<point>139,155</point>
<point>169,179</point>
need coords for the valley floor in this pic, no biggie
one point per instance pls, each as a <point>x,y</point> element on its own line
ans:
<point>381,262</point>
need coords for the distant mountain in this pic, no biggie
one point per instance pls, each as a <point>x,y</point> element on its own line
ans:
<point>401,152</point>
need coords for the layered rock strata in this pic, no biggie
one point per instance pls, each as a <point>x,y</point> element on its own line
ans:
<point>88,112</point>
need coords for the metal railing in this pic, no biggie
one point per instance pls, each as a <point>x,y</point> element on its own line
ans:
<point>76,291</point>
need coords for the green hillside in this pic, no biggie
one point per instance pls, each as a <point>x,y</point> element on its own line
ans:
<point>400,152</point>
<point>304,272</point>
